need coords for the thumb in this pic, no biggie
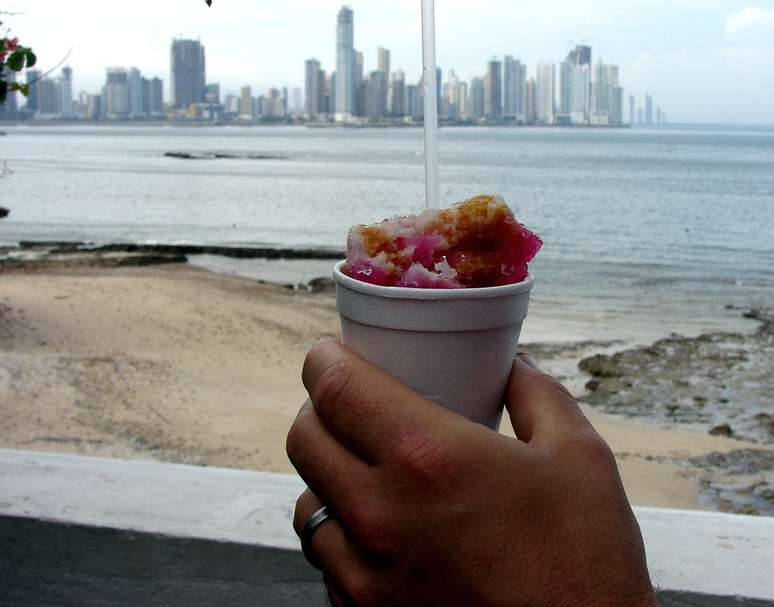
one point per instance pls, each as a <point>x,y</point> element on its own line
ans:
<point>542,410</point>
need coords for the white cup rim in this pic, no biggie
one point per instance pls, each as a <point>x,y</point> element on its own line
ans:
<point>429,294</point>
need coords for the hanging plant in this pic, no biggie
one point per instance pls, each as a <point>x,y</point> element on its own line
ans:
<point>13,58</point>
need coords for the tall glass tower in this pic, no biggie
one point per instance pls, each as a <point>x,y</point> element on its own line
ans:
<point>345,63</point>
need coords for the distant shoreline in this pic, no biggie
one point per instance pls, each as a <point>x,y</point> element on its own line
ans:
<point>310,125</point>
<point>331,125</point>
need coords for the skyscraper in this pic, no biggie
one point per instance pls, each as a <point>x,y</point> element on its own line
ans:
<point>383,65</point>
<point>345,64</point>
<point>606,108</point>
<point>33,82</point>
<point>507,92</point>
<point>188,68</point>
<point>412,101</point>
<point>93,110</point>
<point>574,100</point>
<point>514,87</point>
<point>376,101</point>
<point>50,100</point>
<point>648,109</point>
<point>397,105</point>
<point>580,89</point>
<point>631,109</point>
<point>565,89</point>
<point>315,89</point>
<point>134,79</point>
<point>155,106</point>
<point>246,108</point>
<point>359,109</point>
<point>66,90</point>
<point>116,99</point>
<point>545,94</point>
<point>493,93</point>
<point>453,96</point>
<point>616,117</point>
<point>531,102</point>
<point>383,60</point>
<point>476,99</point>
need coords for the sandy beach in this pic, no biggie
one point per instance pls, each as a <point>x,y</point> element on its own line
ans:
<point>174,363</point>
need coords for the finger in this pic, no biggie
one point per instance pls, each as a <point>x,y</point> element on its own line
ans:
<point>330,469</point>
<point>333,552</point>
<point>335,595</point>
<point>541,409</point>
<point>369,411</point>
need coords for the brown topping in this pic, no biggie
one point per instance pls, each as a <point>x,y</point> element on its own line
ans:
<point>375,240</point>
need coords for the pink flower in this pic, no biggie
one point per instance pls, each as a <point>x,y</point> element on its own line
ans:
<point>2,56</point>
<point>11,44</point>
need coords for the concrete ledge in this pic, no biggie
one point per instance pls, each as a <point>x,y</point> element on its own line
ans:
<point>83,531</point>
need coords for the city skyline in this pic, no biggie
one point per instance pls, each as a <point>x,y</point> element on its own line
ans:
<point>504,95</point>
<point>720,83</point>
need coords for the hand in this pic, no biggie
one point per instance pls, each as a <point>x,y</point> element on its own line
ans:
<point>432,509</point>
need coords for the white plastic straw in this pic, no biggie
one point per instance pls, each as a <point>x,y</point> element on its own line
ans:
<point>431,105</point>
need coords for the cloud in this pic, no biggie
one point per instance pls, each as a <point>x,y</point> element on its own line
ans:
<point>749,18</point>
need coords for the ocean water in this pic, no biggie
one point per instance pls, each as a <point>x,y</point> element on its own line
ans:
<point>646,231</point>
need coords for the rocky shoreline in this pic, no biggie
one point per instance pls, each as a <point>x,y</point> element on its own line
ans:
<point>720,382</point>
<point>236,252</point>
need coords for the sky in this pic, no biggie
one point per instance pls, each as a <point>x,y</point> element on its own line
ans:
<point>704,61</point>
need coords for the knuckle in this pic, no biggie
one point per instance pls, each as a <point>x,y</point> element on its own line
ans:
<point>299,516</point>
<point>595,450</point>
<point>331,385</point>
<point>551,387</point>
<point>424,459</point>
<point>298,437</point>
<point>370,528</point>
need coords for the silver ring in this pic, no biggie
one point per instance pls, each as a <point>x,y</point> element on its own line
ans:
<point>310,528</point>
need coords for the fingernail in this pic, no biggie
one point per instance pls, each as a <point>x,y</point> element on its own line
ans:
<point>527,360</point>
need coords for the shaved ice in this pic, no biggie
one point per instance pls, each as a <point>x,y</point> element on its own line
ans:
<point>477,243</point>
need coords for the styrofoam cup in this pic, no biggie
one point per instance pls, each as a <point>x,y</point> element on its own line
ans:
<point>455,347</point>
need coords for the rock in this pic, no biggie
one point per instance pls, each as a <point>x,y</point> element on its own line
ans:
<point>222,156</point>
<point>321,285</point>
<point>722,430</point>
<point>601,366</point>
<point>746,510</point>
<point>593,385</point>
<point>4,212</point>
<point>767,494</point>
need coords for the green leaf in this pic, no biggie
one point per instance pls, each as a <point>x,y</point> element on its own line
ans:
<point>2,44</point>
<point>16,61</point>
<point>32,58</point>
<point>18,86</point>
<point>3,91</point>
